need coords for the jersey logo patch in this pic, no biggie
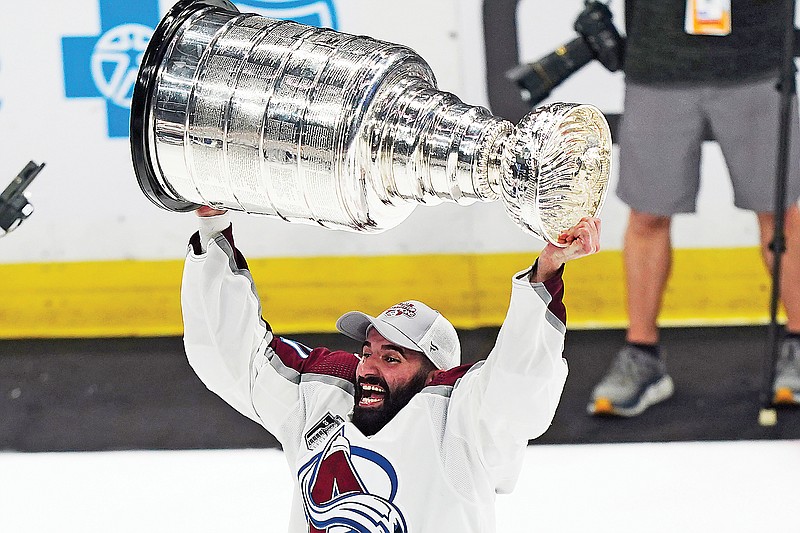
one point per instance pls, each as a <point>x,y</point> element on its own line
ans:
<point>339,500</point>
<point>322,429</point>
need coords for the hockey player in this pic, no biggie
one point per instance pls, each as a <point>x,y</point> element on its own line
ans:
<point>398,438</point>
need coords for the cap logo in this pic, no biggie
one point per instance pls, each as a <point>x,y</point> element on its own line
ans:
<point>404,308</point>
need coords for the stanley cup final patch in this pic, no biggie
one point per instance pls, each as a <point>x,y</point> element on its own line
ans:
<point>403,308</point>
<point>322,429</point>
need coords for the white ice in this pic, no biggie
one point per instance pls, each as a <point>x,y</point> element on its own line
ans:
<point>730,487</point>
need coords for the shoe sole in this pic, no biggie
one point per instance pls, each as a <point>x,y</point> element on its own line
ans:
<point>785,396</point>
<point>655,393</point>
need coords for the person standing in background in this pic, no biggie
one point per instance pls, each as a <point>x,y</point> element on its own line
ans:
<point>690,65</point>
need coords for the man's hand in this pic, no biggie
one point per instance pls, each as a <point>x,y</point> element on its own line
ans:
<point>581,240</point>
<point>205,211</point>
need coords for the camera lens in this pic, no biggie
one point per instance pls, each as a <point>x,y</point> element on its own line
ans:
<point>598,39</point>
<point>536,80</point>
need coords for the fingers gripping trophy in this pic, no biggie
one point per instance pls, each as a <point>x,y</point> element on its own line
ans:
<point>270,117</point>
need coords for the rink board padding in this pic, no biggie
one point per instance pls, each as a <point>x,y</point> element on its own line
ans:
<point>140,393</point>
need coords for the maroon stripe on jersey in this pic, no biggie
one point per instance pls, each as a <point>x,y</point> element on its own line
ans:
<point>449,377</point>
<point>323,361</point>
<point>238,258</point>
<point>194,242</point>
<point>555,286</point>
<point>241,262</point>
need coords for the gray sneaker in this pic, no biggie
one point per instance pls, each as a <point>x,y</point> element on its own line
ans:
<point>786,387</point>
<point>635,381</point>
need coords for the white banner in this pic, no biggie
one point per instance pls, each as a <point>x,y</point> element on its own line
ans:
<point>67,69</point>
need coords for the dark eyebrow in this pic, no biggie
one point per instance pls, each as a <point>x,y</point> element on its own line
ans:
<point>392,347</point>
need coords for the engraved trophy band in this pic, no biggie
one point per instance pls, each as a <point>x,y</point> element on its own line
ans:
<point>271,117</point>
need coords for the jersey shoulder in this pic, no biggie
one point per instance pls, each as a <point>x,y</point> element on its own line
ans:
<point>321,360</point>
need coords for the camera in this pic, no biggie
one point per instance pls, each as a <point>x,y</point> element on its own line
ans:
<point>14,204</point>
<point>598,38</point>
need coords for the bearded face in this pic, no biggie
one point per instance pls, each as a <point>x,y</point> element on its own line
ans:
<point>376,403</point>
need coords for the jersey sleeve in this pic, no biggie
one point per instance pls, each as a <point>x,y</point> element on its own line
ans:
<point>511,397</point>
<point>232,348</point>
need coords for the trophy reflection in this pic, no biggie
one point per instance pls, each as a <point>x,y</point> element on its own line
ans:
<point>270,117</point>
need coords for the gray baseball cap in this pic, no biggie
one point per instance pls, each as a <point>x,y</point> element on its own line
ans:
<point>410,324</point>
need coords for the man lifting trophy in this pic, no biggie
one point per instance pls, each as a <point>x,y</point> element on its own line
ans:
<point>238,111</point>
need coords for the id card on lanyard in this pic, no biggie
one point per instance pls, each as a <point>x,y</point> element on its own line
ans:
<point>708,17</point>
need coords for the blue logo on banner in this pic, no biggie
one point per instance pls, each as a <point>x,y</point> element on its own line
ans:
<point>106,65</point>
<point>320,13</point>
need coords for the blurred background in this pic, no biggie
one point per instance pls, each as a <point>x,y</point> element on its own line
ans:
<point>98,406</point>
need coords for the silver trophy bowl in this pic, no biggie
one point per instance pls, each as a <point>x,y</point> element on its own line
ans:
<point>270,117</point>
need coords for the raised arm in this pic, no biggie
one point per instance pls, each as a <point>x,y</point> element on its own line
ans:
<point>224,335</point>
<point>228,344</point>
<point>512,397</point>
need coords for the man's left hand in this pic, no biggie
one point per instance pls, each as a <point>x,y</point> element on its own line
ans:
<point>581,240</point>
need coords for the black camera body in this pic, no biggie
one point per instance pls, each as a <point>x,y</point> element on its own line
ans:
<point>598,38</point>
<point>14,205</point>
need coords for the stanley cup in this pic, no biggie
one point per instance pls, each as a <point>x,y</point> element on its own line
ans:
<point>238,111</point>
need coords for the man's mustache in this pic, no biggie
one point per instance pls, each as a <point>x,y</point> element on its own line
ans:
<point>373,380</point>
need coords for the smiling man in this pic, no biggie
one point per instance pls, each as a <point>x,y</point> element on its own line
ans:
<point>399,437</point>
<point>404,349</point>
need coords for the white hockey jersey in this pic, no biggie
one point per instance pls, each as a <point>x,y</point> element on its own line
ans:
<point>436,466</point>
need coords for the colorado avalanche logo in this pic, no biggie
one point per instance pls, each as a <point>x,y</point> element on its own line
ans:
<point>336,497</point>
<point>320,13</point>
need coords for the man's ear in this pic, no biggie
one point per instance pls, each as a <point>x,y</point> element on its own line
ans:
<point>433,374</point>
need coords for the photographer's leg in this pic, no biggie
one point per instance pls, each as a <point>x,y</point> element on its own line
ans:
<point>660,141</point>
<point>790,261</point>
<point>648,260</point>
<point>786,386</point>
<point>638,375</point>
<point>745,119</point>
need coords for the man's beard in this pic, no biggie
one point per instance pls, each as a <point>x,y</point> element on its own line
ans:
<point>370,420</point>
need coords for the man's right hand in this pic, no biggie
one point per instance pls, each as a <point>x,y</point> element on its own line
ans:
<point>581,240</point>
<point>206,211</point>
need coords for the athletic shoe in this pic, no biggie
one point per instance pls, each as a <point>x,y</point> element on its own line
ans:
<point>635,381</point>
<point>786,387</point>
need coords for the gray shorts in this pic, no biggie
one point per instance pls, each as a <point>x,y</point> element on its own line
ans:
<point>662,131</point>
